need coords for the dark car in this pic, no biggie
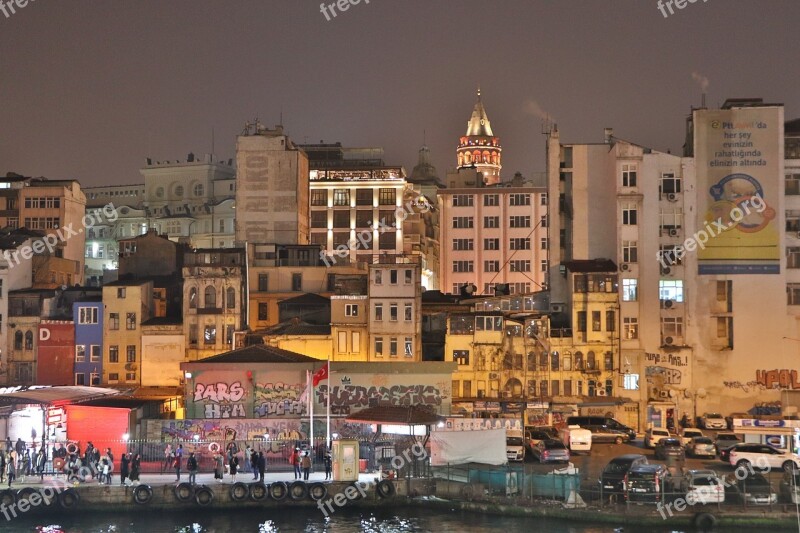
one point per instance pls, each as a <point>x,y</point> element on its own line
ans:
<point>603,426</point>
<point>753,489</point>
<point>613,475</point>
<point>725,453</point>
<point>724,441</point>
<point>646,483</point>
<point>551,451</point>
<point>534,436</point>
<point>670,448</point>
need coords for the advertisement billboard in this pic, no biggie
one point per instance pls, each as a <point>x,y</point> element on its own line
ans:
<point>739,175</point>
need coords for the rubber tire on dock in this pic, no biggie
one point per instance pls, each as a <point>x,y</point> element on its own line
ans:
<point>317,491</point>
<point>142,494</point>
<point>69,498</point>
<point>385,488</point>
<point>704,521</point>
<point>298,490</point>
<point>359,490</point>
<point>25,493</point>
<point>257,491</point>
<point>8,497</point>
<point>239,491</point>
<point>278,491</point>
<point>183,492</point>
<point>203,496</point>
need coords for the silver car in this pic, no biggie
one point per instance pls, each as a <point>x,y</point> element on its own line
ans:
<point>551,451</point>
<point>701,447</point>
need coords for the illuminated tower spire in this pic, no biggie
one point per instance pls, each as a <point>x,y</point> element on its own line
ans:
<point>480,148</point>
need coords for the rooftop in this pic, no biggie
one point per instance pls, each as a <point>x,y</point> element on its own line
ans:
<point>259,353</point>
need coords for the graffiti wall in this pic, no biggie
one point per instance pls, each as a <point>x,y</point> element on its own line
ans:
<point>768,379</point>
<point>665,372</point>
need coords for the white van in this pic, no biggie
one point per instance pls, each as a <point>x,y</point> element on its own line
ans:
<point>576,438</point>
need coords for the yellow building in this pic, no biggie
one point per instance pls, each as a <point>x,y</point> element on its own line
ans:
<point>127,303</point>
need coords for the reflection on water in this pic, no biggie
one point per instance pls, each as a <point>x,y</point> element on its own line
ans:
<point>290,520</point>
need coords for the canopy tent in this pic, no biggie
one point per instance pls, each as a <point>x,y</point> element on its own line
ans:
<point>53,396</point>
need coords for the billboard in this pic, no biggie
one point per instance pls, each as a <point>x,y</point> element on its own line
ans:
<point>738,154</point>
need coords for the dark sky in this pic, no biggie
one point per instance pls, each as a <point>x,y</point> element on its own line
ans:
<point>88,89</point>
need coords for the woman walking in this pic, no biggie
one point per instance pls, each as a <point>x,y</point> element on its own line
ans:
<point>219,467</point>
<point>125,462</point>
<point>135,465</point>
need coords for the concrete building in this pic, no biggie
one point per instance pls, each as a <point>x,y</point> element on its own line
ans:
<point>15,274</point>
<point>26,307</point>
<point>395,307</point>
<point>214,301</point>
<point>88,320</point>
<point>271,188</point>
<point>163,351</point>
<point>127,304</point>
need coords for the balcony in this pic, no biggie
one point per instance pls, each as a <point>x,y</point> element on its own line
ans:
<point>209,310</point>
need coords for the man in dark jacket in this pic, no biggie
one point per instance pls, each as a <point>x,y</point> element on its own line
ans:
<point>191,466</point>
<point>254,464</point>
<point>262,466</point>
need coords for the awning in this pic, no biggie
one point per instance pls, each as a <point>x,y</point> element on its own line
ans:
<point>53,395</point>
<point>409,415</point>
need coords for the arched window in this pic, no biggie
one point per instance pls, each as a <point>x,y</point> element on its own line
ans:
<point>578,360</point>
<point>210,297</point>
<point>29,340</point>
<point>566,360</point>
<point>193,298</point>
<point>230,298</point>
<point>554,361</point>
<point>18,340</point>
<point>179,191</point>
<point>591,361</point>
<point>543,361</point>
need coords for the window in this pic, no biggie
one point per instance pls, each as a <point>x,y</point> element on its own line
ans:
<point>94,379</point>
<point>409,277</point>
<point>263,311</point>
<point>543,387</point>
<point>610,319</point>
<point>210,335</point>
<point>192,298</point>
<point>230,298</point>
<point>461,357</point>
<point>543,264</point>
<point>297,282</point>
<point>463,244</point>
<point>554,362</point>
<point>386,196</point>
<point>408,312</point>
<point>363,220</point>
<point>543,199</point>
<point>392,346</point>
<point>629,252</point>
<point>462,222</point>
<point>596,323</point>
<point>670,289</point>
<point>520,244</point>
<point>543,221</point>
<point>210,297</point>
<point>488,323</point>
<point>198,189</point>
<point>113,354</point>
<point>378,312</point>
<point>629,175</point>
<point>130,353</point>
<point>671,326</point>
<point>519,199</point>
<point>319,198</point>
<point>463,200</point>
<point>80,379</point>
<point>80,353</point>
<point>94,353</point>
<point>341,197</point>
<point>364,197</point>
<point>520,265</point>
<point>668,255</point>
<point>520,221</point>
<point>792,185</point>
<point>629,290</point>
<point>490,200</point>
<point>578,360</point>
<point>130,320</point>
<point>463,266</point>
<point>544,244</point>
<point>18,340</point>
<point>130,376</point>
<point>351,310</point>
<point>121,292</point>
<point>378,277</point>
<point>113,377</point>
<point>393,277</point>
<point>342,342</point>
<point>462,325</point>
<point>671,220</point>
<point>491,266</point>
<point>222,225</point>
<point>491,244</point>
<point>669,184</point>
<point>341,219</point>
<point>792,257</point>
<point>387,240</point>
<point>630,328</point>
<point>408,348</point>
<point>793,221</point>
<point>491,222</point>
<point>393,312</point>
<point>379,346</point>
<point>29,340</point>
<point>87,315</point>
<point>179,191</point>
<point>582,321</point>
<point>629,213</point>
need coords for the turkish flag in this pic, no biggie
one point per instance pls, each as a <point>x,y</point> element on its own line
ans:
<point>321,374</point>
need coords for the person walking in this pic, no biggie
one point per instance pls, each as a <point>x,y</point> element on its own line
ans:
<point>176,464</point>
<point>253,460</point>
<point>328,464</point>
<point>294,460</point>
<point>124,468</point>
<point>104,471</point>
<point>168,458</point>
<point>262,466</point>
<point>11,469</point>
<point>191,466</point>
<point>248,460</point>
<point>19,447</point>
<point>234,467</point>
<point>219,467</point>
<point>306,464</point>
<point>109,457</point>
<point>135,466</point>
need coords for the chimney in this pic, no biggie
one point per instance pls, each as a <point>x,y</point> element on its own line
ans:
<point>608,133</point>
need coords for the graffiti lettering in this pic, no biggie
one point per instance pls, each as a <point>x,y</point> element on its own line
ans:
<point>226,410</point>
<point>358,396</point>
<point>278,399</point>
<point>219,392</point>
<point>783,379</point>
<point>669,359</point>
<point>666,376</point>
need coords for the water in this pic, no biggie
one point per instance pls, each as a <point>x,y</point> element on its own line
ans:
<point>290,520</point>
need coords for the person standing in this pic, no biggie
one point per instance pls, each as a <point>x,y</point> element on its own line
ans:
<point>110,459</point>
<point>306,464</point>
<point>191,466</point>
<point>253,460</point>
<point>328,463</point>
<point>262,466</point>
<point>176,464</point>
<point>168,458</point>
<point>124,466</point>
<point>294,460</point>
<point>248,460</point>
<point>234,467</point>
<point>11,469</point>
<point>135,466</point>
<point>19,447</point>
<point>41,461</point>
<point>219,468</point>
<point>2,466</point>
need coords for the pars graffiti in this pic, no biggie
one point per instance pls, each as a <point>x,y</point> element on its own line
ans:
<point>220,400</point>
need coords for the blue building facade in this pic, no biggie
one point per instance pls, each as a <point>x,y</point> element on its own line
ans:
<point>88,317</point>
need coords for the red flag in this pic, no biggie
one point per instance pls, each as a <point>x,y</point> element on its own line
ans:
<point>320,375</point>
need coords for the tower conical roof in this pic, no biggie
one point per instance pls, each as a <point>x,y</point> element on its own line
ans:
<point>478,124</point>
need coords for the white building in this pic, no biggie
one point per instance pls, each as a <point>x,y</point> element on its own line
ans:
<point>395,301</point>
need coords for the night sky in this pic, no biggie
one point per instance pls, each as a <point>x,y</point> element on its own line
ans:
<point>89,89</point>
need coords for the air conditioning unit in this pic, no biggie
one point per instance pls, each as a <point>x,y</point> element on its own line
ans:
<point>664,394</point>
<point>600,392</point>
<point>673,232</point>
<point>665,271</point>
<point>672,197</point>
<point>668,341</point>
<point>130,366</point>
<point>624,267</point>
<point>494,375</point>
<point>668,304</point>
<point>556,308</point>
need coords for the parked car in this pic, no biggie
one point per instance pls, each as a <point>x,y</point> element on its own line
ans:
<point>724,455</point>
<point>790,486</point>
<point>515,448</point>
<point>730,417</point>
<point>762,455</point>
<point>550,430</point>
<point>605,423</point>
<point>703,487</point>
<point>653,435</point>
<point>577,439</point>
<point>689,433</point>
<point>534,437</point>
<point>701,447</point>
<point>613,475</point>
<point>753,489</point>
<point>645,483</point>
<point>551,451</point>
<point>670,447</point>
<point>724,442</point>
<point>713,421</point>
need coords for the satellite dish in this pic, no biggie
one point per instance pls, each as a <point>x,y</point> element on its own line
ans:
<point>701,393</point>
<point>672,394</point>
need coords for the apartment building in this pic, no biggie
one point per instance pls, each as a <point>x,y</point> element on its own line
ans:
<point>395,300</point>
<point>128,303</point>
